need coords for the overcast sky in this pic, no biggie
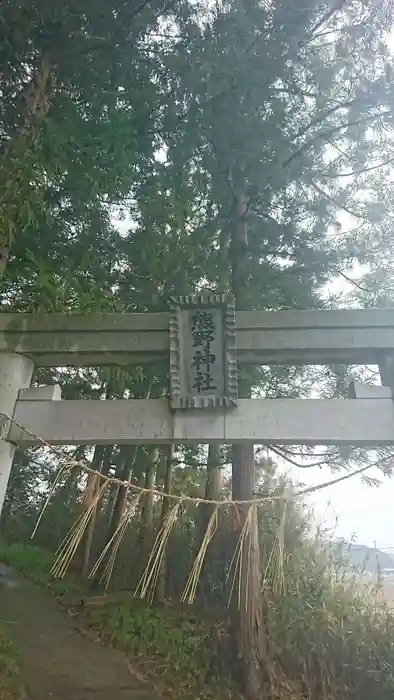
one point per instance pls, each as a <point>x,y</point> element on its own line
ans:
<point>353,509</point>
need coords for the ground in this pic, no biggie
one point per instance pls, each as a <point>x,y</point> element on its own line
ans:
<point>58,663</point>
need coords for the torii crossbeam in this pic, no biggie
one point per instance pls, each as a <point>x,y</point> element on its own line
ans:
<point>203,358</point>
<point>366,422</point>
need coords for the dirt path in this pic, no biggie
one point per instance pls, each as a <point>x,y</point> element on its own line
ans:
<point>57,663</point>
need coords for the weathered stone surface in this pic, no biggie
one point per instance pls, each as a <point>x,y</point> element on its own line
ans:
<point>40,393</point>
<point>358,390</point>
<point>203,363</point>
<point>15,374</point>
<point>262,421</point>
<point>283,337</point>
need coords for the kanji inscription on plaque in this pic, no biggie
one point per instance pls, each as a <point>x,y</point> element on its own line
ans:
<point>202,352</point>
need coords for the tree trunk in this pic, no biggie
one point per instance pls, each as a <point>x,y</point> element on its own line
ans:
<point>146,532</point>
<point>106,462</point>
<point>124,472</point>
<point>100,462</point>
<point>161,588</point>
<point>248,631</point>
<point>36,95</point>
<point>213,485</point>
<point>248,616</point>
<point>127,458</point>
<point>147,500</point>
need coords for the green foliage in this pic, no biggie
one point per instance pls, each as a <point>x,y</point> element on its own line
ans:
<point>36,563</point>
<point>11,683</point>
<point>322,631</point>
<point>165,113</point>
<point>327,633</point>
<point>69,139</point>
<point>181,643</point>
<point>30,560</point>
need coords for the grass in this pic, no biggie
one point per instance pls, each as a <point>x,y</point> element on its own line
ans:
<point>35,563</point>
<point>31,561</point>
<point>11,682</point>
<point>326,641</point>
<point>165,642</point>
<point>172,649</point>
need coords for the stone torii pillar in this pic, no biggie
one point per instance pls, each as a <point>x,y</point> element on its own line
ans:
<point>15,373</point>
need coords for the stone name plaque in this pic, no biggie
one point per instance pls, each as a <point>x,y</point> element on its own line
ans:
<point>203,368</point>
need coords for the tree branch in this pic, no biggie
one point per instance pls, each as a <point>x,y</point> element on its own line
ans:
<point>356,284</point>
<point>324,19</point>
<point>355,173</point>
<point>337,204</point>
<point>333,130</point>
<point>322,116</point>
<point>283,454</point>
<point>332,482</point>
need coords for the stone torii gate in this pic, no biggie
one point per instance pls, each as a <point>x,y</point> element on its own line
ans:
<point>204,340</point>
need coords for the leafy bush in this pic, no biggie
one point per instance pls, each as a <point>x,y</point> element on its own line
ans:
<point>325,636</point>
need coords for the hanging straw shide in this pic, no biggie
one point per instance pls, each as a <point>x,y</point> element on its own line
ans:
<point>243,557</point>
<point>189,592</point>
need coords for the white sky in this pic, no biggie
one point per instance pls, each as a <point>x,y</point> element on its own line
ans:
<point>351,509</point>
